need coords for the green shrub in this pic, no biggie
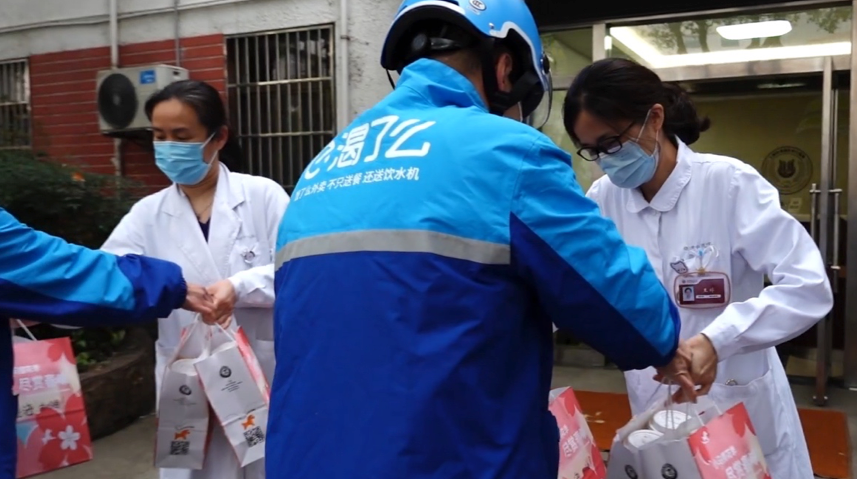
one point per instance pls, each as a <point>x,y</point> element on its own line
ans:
<point>80,207</point>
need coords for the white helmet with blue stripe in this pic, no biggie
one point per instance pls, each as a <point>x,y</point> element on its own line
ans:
<point>488,21</point>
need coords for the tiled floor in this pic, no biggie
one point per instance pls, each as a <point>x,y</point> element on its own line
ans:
<point>128,454</point>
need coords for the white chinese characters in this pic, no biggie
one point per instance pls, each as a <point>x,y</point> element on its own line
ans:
<point>724,457</point>
<point>573,444</point>
<point>19,370</point>
<point>348,181</point>
<point>351,146</point>
<point>741,468</point>
<point>37,383</point>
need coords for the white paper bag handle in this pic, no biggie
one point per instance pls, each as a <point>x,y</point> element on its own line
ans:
<point>26,329</point>
<point>226,331</point>
<point>669,401</point>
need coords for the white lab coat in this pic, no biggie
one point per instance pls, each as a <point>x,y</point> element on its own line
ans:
<point>245,216</point>
<point>727,203</point>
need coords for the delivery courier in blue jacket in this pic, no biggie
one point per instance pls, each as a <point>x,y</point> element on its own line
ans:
<point>425,254</point>
<point>44,278</point>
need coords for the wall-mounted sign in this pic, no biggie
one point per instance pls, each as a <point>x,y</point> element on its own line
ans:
<point>788,168</point>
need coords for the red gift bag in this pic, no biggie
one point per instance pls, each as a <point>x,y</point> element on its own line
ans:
<point>51,425</point>
<point>579,456</point>
<point>727,448</point>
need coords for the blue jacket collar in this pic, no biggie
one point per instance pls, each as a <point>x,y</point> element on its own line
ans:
<point>440,85</point>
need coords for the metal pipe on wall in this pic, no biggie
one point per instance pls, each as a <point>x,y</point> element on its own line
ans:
<point>850,359</point>
<point>113,13</point>
<point>343,98</point>
<point>177,33</point>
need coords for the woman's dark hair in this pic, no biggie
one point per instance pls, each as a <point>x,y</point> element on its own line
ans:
<point>208,105</point>
<point>615,89</point>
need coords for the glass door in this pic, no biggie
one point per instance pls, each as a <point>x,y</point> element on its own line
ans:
<point>777,89</point>
<point>828,222</point>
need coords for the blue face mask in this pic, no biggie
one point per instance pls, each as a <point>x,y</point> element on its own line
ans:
<point>631,166</point>
<point>182,162</point>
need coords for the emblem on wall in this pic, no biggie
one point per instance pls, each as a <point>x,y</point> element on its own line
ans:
<point>788,168</point>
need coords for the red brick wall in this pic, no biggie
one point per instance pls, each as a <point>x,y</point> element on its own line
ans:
<point>63,99</point>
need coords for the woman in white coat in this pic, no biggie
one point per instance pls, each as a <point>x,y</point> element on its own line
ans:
<point>712,227</point>
<point>219,226</point>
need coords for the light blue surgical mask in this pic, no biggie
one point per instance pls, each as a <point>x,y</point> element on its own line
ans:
<point>631,166</point>
<point>183,162</point>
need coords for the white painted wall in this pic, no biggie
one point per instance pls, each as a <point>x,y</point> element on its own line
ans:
<point>29,27</point>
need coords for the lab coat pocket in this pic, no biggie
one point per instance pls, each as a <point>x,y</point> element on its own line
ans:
<point>267,359</point>
<point>763,406</point>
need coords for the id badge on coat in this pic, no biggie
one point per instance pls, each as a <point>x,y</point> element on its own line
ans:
<point>699,288</point>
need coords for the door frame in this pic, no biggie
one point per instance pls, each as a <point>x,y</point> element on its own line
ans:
<point>850,347</point>
<point>825,66</point>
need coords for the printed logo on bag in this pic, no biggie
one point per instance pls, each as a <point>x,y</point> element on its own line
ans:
<point>250,422</point>
<point>669,472</point>
<point>630,472</point>
<point>225,372</point>
<point>184,389</point>
<point>180,445</point>
<point>253,434</point>
<point>477,5</point>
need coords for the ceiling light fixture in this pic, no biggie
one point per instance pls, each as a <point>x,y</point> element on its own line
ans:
<point>631,40</point>
<point>747,31</point>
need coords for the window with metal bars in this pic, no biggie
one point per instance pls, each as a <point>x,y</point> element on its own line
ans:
<point>281,99</point>
<point>15,129</point>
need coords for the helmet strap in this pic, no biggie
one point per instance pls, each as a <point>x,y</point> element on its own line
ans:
<point>499,101</point>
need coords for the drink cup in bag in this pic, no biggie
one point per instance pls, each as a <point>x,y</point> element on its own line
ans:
<point>691,441</point>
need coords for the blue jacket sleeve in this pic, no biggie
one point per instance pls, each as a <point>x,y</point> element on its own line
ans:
<point>44,278</point>
<point>586,278</point>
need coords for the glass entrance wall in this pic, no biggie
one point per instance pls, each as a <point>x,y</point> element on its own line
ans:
<point>770,112</point>
<point>779,134</point>
<point>807,33</point>
<point>569,51</point>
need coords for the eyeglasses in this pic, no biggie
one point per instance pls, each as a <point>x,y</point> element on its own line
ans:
<point>605,146</point>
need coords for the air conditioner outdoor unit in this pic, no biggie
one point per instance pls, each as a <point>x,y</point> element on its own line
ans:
<point>123,92</point>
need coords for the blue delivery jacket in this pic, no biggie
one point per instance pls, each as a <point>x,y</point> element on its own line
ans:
<point>424,255</point>
<point>44,278</point>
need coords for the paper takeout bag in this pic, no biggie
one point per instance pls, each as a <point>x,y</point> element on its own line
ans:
<point>579,456</point>
<point>183,408</point>
<point>51,425</point>
<point>710,445</point>
<point>238,393</point>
